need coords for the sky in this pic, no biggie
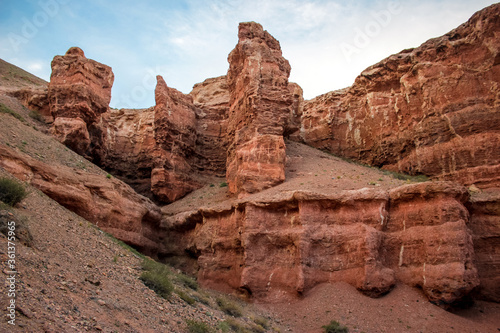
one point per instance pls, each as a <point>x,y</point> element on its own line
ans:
<point>327,42</point>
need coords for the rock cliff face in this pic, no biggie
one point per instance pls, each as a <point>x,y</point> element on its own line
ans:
<point>175,135</point>
<point>131,148</point>
<point>259,108</point>
<point>79,93</point>
<point>432,110</point>
<point>279,248</point>
<point>211,99</point>
<point>484,208</point>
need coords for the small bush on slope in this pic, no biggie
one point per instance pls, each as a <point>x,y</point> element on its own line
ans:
<point>335,327</point>
<point>156,277</point>
<point>11,192</point>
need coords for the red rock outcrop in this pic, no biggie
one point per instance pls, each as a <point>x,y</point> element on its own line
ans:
<point>131,147</point>
<point>35,98</point>
<point>109,203</point>
<point>211,99</point>
<point>279,248</point>
<point>175,134</point>
<point>429,242</point>
<point>79,88</point>
<point>431,110</point>
<point>260,106</point>
<point>484,208</point>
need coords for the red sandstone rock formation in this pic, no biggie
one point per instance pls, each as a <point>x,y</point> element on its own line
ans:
<point>131,147</point>
<point>108,203</point>
<point>416,112</point>
<point>174,129</point>
<point>432,110</point>
<point>260,105</point>
<point>35,98</point>
<point>281,247</point>
<point>79,88</point>
<point>484,208</point>
<point>211,99</point>
<point>428,241</point>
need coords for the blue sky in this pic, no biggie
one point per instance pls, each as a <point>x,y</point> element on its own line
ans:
<point>328,42</point>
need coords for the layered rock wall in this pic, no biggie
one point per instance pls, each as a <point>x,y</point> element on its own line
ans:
<point>175,134</point>
<point>280,248</point>
<point>484,208</point>
<point>432,110</point>
<point>211,99</point>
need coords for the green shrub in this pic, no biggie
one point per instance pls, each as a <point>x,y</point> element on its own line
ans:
<point>36,115</point>
<point>335,327</point>
<point>188,281</point>
<point>156,277</point>
<point>402,176</point>
<point>185,297</point>
<point>195,326</point>
<point>229,307</point>
<point>261,321</point>
<point>6,109</point>
<point>223,184</point>
<point>254,328</point>
<point>11,192</point>
<point>231,325</point>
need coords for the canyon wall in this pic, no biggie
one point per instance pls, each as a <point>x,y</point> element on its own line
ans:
<point>432,110</point>
<point>279,248</point>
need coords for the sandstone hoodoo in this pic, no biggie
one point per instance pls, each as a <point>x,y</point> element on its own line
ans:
<point>79,93</point>
<point>431,110</point>
<point>260,106</point>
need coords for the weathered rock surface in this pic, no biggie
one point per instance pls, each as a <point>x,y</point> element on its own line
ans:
<point>175,134</point>
<point>109,203</point>
<point>484,209</point>
<point>131,147</point>
<point>72,132</point>
<point>80,88</point>
<point>429,242</point>
<point>279,248</point>
<point>35,98</point>
<point>432,110</point>
<point>211,99</point>
<point>260,105</point>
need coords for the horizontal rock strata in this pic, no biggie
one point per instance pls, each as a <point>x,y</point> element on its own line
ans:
<point>278,249</point>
